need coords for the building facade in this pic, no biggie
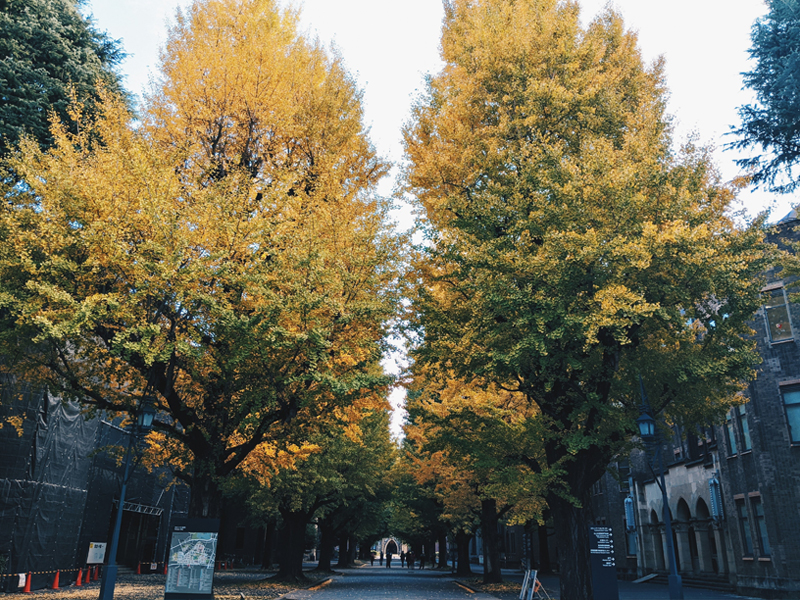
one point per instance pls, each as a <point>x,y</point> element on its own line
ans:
<point>734,488</point>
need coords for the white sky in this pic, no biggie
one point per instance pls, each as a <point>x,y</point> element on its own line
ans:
<point>390,45</point>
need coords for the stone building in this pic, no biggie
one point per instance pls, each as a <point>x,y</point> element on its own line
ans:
<point>733,488</point>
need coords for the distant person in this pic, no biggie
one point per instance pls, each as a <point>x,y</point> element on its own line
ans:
<point>410,559</point>
<point>388,560</point>
<point>371,559</point>
<point>381,562</point>
<point>403,558</point>
<point>422,561</point>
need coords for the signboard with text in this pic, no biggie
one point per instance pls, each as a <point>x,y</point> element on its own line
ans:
<point>97,553</point>
<point>604,564</point>
<point>192,555</point>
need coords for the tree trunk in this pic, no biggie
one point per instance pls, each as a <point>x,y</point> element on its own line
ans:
<point>269,544</point>
<point>327,541</point>
<point>462,546</point>
<point>351,549</point>
<point>343,553</point>
<point>572,533</point>
<point>491,542</point>
<point>430,551</point>
<point>205,500</point>
<point>293,537</point>
<point>442,549</point>
<point>544,550</point>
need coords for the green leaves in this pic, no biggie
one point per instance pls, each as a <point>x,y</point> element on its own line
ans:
<point>571,248</point>
<point>52,55</point>
<point>770,123</point>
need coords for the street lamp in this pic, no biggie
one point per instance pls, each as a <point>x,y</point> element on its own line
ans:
<point>647,430</point>
<point>144,421</point>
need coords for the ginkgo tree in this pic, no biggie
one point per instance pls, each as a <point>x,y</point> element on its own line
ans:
<point>571,247</point>
<point>238,272</point>
<point>478,447</point>
<point>340,482</point>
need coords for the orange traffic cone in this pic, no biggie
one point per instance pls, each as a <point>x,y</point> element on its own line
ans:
<point>96,572</point>
<point>27,588</point>
<point>138,568</point>
<point>79,580</point>
<point>165,568</point>
<point>55,582</point>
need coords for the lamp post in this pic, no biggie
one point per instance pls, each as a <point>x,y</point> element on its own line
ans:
<point>143,423</point>
<point>647,430</point>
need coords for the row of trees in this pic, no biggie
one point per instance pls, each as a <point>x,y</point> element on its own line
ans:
<point>222,254</point>
<point>571,249</point>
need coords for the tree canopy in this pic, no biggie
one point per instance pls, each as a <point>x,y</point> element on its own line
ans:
<point>51,55</point>
<point>771,123</point>
<point>570,246</point>
<point>148,262</point>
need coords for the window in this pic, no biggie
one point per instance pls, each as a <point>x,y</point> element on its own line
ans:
<point>511,543</point>
<point>744,429</point>
<point>791,402</point>
<point>731,437</point>
<point>761,526</point>
<point>777,313</point>
<point>744,527</point>
<point>624,472</point>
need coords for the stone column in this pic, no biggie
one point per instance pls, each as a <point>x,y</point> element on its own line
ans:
<point>682,547</point>
<point>664,547</point>
<point>702,531</point>
<point>722,549</point>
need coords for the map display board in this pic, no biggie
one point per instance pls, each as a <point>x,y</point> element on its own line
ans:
<point>192,555</point>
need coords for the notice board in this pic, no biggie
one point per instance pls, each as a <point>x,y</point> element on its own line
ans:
<point>192,556</point>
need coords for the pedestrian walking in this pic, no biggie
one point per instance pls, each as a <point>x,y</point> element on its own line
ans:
<point>388,560</point>
<point>422,561</point>
<point>410,559</point>
<point>381,562</point>
<point>371,559</point>
<point>403,558</point>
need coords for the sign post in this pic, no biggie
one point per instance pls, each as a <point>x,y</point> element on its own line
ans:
<point>192,556</point>
<point>604,564</point>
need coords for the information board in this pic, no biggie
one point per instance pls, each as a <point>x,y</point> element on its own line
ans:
<point>192,555</point>
<point>604,564</point>
<point>97,553</point>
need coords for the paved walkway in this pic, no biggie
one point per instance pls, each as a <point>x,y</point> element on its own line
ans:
<point>633,591</point>
<point>379,583</point>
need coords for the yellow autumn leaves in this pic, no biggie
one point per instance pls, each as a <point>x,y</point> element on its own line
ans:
<point>223,253</point>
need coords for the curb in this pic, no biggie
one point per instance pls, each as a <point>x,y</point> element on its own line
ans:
<point>466,586</point>
<point>302,593</point>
